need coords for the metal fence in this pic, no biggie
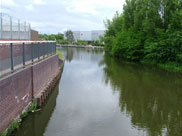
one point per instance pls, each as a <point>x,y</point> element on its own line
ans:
<point>13,29</point>
<point>15,55</point>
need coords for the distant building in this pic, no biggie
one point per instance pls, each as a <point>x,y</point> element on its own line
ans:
<point>97,34</point>
<point>87,35</point>
<point>35,36</point>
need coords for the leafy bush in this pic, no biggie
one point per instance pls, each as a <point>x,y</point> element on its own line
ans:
<point>80,42</point>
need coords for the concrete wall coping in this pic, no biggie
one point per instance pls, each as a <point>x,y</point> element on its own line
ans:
<point>21,42</point>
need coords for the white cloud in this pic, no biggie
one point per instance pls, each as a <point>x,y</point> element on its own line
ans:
<point>92,6</point>
<point>29,7</point>
<point>63,14</point>
<point>9,3</point>
<point>39,2</point>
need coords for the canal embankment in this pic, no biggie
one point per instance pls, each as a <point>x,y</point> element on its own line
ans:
<point>29,85</point>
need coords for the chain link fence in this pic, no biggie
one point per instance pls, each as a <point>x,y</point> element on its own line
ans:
<point>13,29</point>
<point>14,56</point>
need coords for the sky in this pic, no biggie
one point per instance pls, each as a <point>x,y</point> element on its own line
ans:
<point>57,16</point>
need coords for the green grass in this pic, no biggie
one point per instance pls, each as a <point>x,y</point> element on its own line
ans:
<point>3,134</point>
<point>60,55</point>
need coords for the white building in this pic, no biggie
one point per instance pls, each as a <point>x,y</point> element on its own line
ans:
<point>87,35</point>
<point>97,34</point>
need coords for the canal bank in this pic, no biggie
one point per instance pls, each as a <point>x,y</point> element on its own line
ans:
<point>27,86</point>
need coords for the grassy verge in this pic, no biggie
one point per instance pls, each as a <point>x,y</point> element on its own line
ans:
<point>15,124</point>
<point>60,55</point>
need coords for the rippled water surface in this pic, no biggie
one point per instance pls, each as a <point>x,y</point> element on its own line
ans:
<point>100,96</point>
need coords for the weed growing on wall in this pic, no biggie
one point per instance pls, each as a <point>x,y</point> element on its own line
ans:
<point>15,124</point>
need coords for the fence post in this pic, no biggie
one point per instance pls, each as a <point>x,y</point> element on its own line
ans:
<point>52,48</point>
<point>1,26</point>
<point>12,61</point>
<point>23,47</point>
<point>55,48</point>
<point>47,49</point>
<point>29,32</point>
<point>25,31</point>
<point>11,28</point>
<point>32,47</point>
<point>43,49</point>
<point>38,51</point>
<point>18,29</point>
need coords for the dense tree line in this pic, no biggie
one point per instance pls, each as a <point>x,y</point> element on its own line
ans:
<point>147,31</point>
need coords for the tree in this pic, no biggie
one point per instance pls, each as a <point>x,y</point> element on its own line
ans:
<point>69,36</point>
<point>52,37</point>
<point>147,30</point>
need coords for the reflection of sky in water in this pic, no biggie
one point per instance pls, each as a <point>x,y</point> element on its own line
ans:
<point>86,106</point>
<point>101,96</point>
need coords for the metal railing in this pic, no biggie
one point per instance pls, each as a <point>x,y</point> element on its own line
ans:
<point>14,55</point>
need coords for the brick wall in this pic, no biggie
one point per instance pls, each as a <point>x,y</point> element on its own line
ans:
<point>15,89</point>
<point>15,95</point>
<point>34,35</point>
<point>46,70</point>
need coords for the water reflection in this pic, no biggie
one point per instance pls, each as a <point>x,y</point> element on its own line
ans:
<point>101,96</point>
<point>151,97</point>
<point>71,53</point>
<point>35,124</point>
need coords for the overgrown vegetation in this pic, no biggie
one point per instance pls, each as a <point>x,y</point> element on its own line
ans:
<point>60,55</point>
<point>59,38</point>
<point>15,124</point>
<point>148,31</point>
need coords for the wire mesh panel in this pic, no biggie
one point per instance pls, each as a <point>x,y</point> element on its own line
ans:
<point>5,59</point>
<point>13,29</point>
<point>35,51</point>
<point>16,55</point>
<point>28,53</point>
<point>41,49</point>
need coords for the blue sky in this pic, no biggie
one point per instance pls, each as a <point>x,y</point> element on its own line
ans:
<point>53,16</point>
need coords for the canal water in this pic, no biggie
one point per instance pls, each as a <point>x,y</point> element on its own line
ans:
<point>101,96</point>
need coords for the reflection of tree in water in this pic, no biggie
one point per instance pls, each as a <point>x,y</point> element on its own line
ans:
<point>81,53</point>
<point>151,97</point>
<point>69,54</point>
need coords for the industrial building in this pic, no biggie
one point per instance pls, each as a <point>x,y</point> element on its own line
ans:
<point>87,35</point>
